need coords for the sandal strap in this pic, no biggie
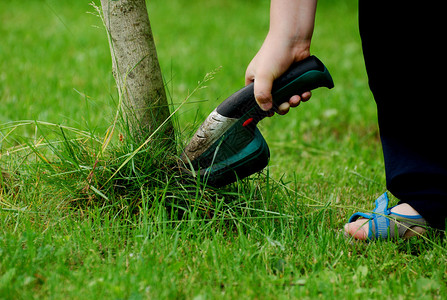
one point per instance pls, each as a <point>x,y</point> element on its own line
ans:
<point>383,223</point>
<point>380,209</point>
<point>403,223</point>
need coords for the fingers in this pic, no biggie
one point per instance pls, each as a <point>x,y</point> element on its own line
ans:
<point>262,86</point>
<point>284,108</point>
<point>262,91</point>
<point>306,96</point>
<point>249,76</point>
<point>294,101</point>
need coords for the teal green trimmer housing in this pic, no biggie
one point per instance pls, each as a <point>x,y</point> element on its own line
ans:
<point>228,145</point>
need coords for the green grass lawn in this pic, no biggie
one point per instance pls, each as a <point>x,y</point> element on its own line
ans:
<point>270,237</point>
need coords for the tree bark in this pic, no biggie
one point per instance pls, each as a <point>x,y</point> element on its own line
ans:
<point>135,67</point>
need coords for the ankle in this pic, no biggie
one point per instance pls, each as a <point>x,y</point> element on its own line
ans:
<point>404,209</point>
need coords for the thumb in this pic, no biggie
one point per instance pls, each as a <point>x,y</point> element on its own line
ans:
<point>263,92</point>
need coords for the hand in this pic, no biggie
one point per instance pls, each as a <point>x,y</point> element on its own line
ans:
<point>288,41</point>
<point>270,63</point>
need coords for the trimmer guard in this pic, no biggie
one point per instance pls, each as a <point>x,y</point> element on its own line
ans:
<point>230,163</point>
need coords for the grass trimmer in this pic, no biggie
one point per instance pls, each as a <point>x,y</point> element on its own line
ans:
<point>228,145</point>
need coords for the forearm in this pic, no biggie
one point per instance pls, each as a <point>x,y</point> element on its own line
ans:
<point>292,23</point>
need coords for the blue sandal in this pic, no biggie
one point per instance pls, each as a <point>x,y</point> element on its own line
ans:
<point>384,224</point>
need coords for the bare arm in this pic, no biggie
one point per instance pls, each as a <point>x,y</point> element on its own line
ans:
<point>288,41</point>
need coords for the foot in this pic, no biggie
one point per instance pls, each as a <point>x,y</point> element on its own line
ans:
<point>359,228</point>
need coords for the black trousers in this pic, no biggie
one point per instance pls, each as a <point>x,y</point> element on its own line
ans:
<point>404,51</point>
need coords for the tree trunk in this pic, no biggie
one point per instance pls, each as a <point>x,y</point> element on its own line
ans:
<point>135,67</point>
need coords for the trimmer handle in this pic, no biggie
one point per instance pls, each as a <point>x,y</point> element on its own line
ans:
<point>305,75</point>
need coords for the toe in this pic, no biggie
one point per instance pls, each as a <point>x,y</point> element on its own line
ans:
<point>358,229</point>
